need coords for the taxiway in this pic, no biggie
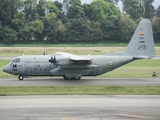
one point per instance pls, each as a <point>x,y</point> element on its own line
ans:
<point>80,107</point>
<point>84,81</point>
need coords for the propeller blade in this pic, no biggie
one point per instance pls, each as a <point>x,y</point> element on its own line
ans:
<point>53,60</point>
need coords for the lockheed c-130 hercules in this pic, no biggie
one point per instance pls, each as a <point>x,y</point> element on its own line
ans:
<point>72,66</point>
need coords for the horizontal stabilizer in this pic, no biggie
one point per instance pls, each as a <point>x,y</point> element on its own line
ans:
<point>140,57</point>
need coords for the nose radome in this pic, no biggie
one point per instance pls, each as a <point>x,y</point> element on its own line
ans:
<point>5,68</point>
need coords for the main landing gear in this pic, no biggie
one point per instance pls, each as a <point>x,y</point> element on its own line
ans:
<point>71,78</point>
<point>20,77</point>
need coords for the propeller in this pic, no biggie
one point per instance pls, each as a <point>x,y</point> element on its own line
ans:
<point>53,60</point>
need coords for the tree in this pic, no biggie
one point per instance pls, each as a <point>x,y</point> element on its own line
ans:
<point>87,11</point>
<point>65,6</point>
<point>113,1</point>
<point>96,31</point>
<point>110,30</point>
<point>126,28</point>
<point>134,8</point>
<point>156,29</point>
<point>7,9</point>
<point>158,12</point>
<point>74,28</point>
<point>52,8</point>
<point>102,11</point>
<point>37,28</point>
<point>30,10</point>
<point>41,8</point>
<point>8,35</point>
<point>75,9</point>
<point>82,29</point>
<point>58,33</point>
<point>58,5</point>
<point>1,32</point>
<point>49,22</point>
<point>19,21</point>
<point>108,15</point>
<point>149,8</point>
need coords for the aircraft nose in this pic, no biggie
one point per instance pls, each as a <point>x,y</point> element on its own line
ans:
<point>6,68</point>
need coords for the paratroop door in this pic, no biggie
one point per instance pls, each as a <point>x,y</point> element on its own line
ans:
<point>29,71</point>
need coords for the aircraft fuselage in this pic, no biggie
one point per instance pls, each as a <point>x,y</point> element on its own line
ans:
<point>40,66</point>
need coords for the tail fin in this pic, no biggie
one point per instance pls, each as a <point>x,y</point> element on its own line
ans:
<point>142,43</point>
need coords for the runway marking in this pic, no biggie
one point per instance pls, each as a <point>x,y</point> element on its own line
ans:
<point>133,116</point>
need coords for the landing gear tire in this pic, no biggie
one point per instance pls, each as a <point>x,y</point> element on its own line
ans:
<point>74,78</point>
<point>20,77</point>
<point>78,78</point>
<point>66,78</point>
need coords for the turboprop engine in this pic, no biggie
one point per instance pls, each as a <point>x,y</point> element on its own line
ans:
<point>55,71</point>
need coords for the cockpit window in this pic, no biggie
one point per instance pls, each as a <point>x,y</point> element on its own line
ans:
<point>16,60</point>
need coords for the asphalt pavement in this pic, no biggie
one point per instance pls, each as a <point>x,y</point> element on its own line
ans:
<point>80,107</point>
<point>90,81</point>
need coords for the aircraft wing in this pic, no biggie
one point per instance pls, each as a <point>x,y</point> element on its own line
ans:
<point>77,58</point>
<point>72,56</point>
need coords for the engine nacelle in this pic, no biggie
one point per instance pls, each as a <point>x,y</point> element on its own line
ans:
<point>55,71</point>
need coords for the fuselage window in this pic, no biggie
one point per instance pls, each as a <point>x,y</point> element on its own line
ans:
<point>14,66</point>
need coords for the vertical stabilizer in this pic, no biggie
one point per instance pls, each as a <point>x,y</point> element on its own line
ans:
<point>142,43</point>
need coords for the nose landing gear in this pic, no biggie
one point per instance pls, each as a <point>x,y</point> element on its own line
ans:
<point>20,77</point>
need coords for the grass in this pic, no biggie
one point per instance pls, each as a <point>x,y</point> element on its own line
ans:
<point>16,51</point>
<point>67,44</point>
<point>81,90</point>
<point>4,51</point>
<point>136,69</point>
<point>100,43</point>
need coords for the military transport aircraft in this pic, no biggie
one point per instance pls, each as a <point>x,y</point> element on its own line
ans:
<point>72,66</point>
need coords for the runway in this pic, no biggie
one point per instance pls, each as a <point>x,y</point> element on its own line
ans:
<point>47,81</point>
<point>80,107</point>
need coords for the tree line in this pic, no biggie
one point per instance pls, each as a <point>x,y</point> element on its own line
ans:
<point>101,20</point>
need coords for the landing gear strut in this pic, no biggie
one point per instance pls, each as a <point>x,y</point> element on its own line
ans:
<point>20,77</point>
